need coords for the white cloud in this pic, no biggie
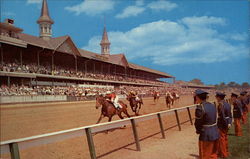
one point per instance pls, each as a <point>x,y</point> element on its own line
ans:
<point>167,42</point>
<point>92,7</point>
<point>34,1</point>
<point>130,11</point>
<point>162,5</point>
<point>203,21</point>
<point>235,36</point>
<point>139,2</point>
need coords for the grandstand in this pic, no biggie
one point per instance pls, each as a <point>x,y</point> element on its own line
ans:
<point>57,61</point>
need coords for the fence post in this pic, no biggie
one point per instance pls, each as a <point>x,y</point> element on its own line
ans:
<point>190,117</point>
<point>138,147</point>
<point>161,126</point>
<point>90,143</point>
<point>177,118</point>
<point>14,151</point>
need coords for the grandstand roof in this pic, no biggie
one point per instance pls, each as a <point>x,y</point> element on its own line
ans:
<point>138,67</point>
<point>66,45</point>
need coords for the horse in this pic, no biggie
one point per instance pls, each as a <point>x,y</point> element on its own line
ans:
<point>169,101</point>
<point>175,96</point>
<point>108,109</point>
<point>156,97</point>
<point>135,104</point>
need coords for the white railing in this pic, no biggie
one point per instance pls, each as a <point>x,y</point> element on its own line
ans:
<point>31,98</point>
<point>13,146</point>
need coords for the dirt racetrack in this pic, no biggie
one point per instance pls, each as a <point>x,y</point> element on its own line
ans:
<point>23,120</point>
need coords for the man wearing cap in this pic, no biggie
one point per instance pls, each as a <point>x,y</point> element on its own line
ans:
<point>224,123</point>
<point>237,114</point>
<point>244,101</point>
<point>206,126</point>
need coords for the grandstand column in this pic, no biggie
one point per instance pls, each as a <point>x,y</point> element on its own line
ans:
<point>1,53</point>
<point>102,68</point>
<point>125,71</point>
<point>30,82</point>
<point>85,63</point>
<point>21,57</point>
<point>8,81</point>
<point>38,59</point>
<point>94,66</point>
<point>52,63</point>
<point>76,63</point>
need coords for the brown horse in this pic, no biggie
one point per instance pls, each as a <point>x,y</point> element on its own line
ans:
<point>108,109</point>
<point>169,101</point>
<point>156,97</point>
<point>134,104</point>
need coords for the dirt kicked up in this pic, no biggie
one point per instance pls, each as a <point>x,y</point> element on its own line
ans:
<point>24,120</point>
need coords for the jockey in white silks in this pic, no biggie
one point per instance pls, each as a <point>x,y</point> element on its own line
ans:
<point>169,94</point>
<point>176,95</point>
<point>113,98</point>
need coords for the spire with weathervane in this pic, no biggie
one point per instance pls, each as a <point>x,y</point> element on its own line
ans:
<point>105,44</point>
<point>45,22</point>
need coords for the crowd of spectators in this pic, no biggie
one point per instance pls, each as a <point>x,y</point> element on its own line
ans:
<point>69,72</point>
<point>73,90</point>
<point>80,91</point>
<point>24,68</point>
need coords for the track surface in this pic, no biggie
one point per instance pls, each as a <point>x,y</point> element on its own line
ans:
<point>25,120</point>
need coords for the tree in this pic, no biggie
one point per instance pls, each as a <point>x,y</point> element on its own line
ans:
<point>245,85</point>
<point>233,85</point>
<point>197,81</point>
<point>222,85</point>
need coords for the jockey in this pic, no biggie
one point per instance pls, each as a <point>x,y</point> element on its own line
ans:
<point>169,94</point>
<point>134,95</point>
<point>158,94</point>
<point>111,96</point>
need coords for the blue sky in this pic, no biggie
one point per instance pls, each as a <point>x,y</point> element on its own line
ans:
<point>188,39</point>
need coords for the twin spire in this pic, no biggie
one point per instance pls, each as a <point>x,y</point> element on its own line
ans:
<point>45,23</point>
<point>105,44</point>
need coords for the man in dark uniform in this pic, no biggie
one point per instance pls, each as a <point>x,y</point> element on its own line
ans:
<point>224,123</point>
<point>206,126</point>
<point>237,114</point>
<point>244,101</point>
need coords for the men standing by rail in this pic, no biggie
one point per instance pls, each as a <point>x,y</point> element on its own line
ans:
<point>237,114</point>
<point>244,101</point>
<point>206,126</point>
<point>224,123</point>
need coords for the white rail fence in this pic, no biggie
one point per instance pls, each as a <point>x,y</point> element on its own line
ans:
<point>14,146</point>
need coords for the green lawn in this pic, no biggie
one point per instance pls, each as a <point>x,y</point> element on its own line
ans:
<point>239,147</point>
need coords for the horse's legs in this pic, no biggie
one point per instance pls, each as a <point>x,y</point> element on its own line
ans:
<point>110,118</point>
<point>100,118</point>
<point>120,115</point>
<point>126,112</point>
<point>138,109</point>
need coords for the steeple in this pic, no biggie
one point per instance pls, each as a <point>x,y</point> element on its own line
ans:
<point>45,22</point>
<point>105,44</point>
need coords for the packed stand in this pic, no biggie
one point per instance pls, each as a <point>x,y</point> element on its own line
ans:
<point>60,71</point>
